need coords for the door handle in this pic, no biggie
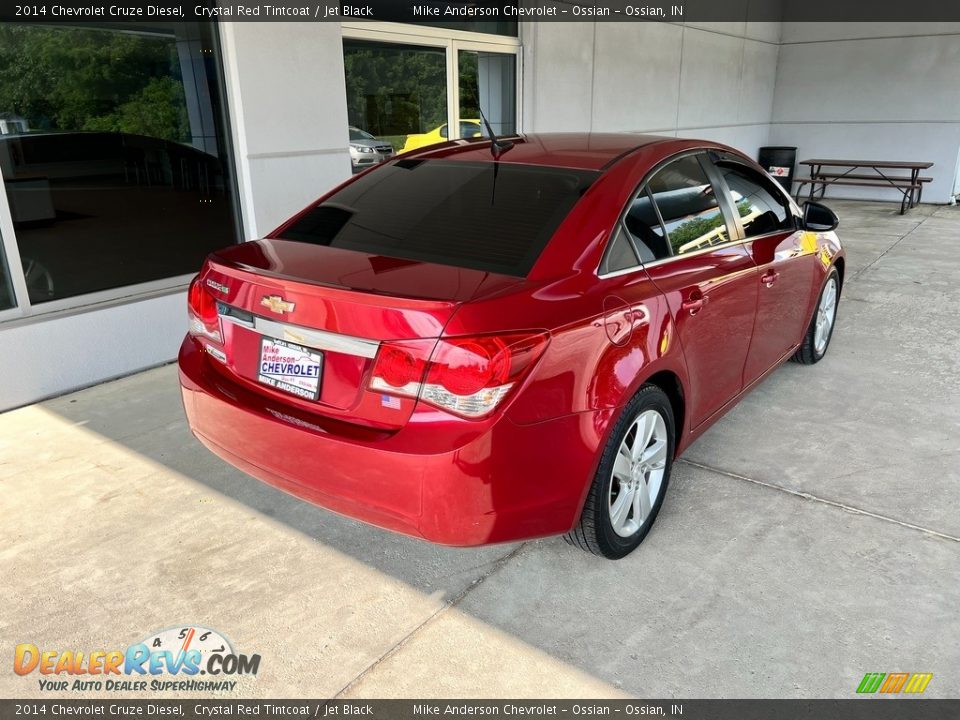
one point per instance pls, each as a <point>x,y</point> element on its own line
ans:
<point>769,277</point>
<point>694,303</point>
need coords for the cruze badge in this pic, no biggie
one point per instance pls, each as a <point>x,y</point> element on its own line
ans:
<point>277,304</point>
<point>219,287</point>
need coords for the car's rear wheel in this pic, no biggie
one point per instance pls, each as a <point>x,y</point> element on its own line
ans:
<point>631,480</point>
<point>817,339</point>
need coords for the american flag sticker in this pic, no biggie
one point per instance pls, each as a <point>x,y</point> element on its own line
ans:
<point>389,401</point>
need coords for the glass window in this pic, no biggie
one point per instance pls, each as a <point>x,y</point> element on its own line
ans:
<point>644,225</point>
<point>488,81</point>
<point>688,206</point>
<point>762,210</point>
<point>113,153</point>
<point>396,94</point>
<point>467,214</point>
<point>620,254</point>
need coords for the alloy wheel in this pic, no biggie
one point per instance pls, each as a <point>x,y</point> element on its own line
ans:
<point>637,473</point>
<point>826,313</point>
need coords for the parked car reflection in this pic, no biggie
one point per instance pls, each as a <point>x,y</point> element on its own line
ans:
<point>367,150</point>
<point>468,129</point>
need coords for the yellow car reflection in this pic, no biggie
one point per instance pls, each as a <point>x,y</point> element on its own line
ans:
<point>468,129</point>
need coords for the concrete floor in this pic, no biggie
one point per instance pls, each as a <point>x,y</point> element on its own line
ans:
<point>810,537</point>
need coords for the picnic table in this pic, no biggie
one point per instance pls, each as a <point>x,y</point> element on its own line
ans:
<point>854,172</point>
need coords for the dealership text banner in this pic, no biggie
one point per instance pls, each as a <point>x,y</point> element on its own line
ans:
<point>458,11</point>
<point>512,709</point>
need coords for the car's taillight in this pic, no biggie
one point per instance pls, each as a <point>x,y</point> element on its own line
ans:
<point>202,311</point>
<point>468,376</point>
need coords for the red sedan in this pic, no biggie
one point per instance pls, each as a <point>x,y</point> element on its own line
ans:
<point>491,341</point>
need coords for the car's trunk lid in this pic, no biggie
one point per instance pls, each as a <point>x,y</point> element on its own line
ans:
<point>287,306</point>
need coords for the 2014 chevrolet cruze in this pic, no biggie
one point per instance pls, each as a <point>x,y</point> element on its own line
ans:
<point>489,341</point>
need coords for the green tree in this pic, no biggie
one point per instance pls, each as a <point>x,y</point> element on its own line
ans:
<point>75,79</point>
<point>394,90</point>
<point>158,110</point>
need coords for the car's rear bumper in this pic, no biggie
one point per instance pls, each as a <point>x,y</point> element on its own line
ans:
<point>449,481</point>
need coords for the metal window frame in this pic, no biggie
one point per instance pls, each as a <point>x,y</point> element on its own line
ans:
<point>452,41</point>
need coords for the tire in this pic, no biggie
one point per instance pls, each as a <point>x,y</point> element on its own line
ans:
<point>811,351</point>
<point>646,474</point>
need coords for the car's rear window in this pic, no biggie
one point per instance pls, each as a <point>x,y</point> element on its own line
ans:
<point>481,215</point>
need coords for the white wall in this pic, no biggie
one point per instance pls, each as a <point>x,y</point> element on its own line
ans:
<point>285,86</point>
<point>885,91</point>
<point>708,80</point>
<point>48,356</point>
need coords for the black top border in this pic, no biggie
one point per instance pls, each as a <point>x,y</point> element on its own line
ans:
<point>436,12</point>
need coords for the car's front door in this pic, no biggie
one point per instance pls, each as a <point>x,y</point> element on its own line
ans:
<point>708,281</point>
<point>785,258</point>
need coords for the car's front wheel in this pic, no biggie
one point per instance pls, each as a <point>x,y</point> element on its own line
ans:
<point>820,331</point>
<point>631,480</point>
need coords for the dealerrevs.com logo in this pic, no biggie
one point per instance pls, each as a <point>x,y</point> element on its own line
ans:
<point>185,658</point>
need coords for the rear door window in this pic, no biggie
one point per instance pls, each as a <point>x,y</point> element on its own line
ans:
<point>488,216</point>
<point>648,234</point>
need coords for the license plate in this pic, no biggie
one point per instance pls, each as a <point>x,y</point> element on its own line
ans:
<point>291,368</point>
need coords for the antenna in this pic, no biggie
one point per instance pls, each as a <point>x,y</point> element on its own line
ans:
<point>497,147</point>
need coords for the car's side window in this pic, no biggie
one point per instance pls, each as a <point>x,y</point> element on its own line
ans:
<point>761,208</point>
<point>644,226</point>
<point>620,254</point>
<point>443,131</point>
<point>689,206</point>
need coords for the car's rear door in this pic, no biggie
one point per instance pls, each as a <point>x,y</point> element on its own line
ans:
<point>785,258</point>
<point>683,234</point>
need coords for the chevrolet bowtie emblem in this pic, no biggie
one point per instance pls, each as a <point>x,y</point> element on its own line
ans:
<point>277,304</point>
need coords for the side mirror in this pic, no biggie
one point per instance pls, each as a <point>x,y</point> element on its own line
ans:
<point>819,218</point>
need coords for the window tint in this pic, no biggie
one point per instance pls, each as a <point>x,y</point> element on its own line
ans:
<point>115,167</point>
<point>620,254</point>
<point>644,225</point>
<point>761,210</point>
<point>688,206</point>
<point>466,214</point>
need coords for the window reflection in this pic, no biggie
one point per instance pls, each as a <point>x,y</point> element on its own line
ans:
<point>113,153</point>
<point>688,206</point>
<point>397,94</point>
<point>761,210</point>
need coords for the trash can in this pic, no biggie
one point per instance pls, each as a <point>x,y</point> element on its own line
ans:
<point>781,162</point>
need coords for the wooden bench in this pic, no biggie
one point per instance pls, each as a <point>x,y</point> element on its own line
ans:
<point>910,187</point>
